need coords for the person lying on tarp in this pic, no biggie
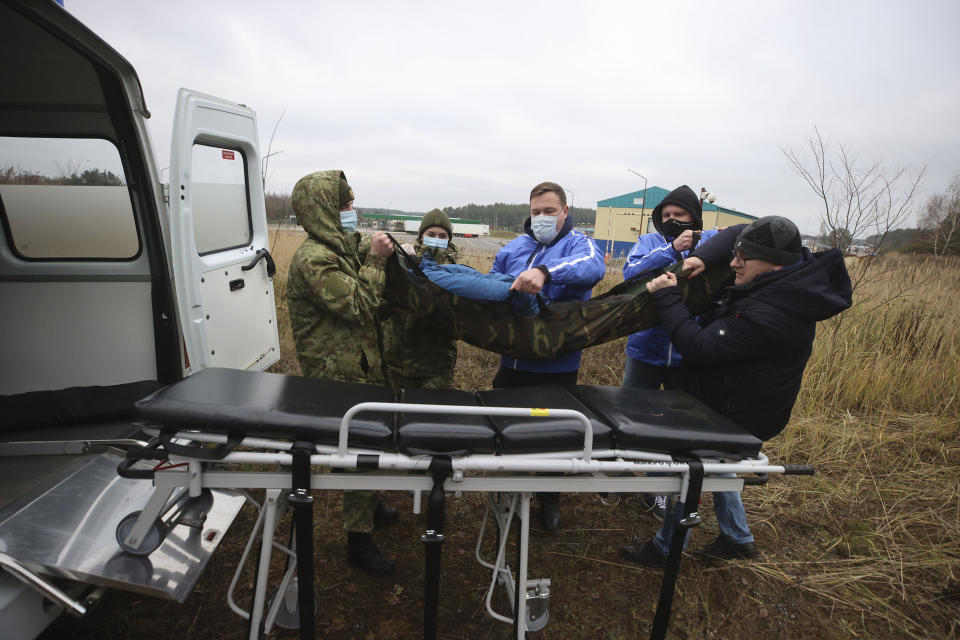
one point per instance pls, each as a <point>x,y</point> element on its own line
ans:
<point>468,282</point>
<point>561,327</point>
<point>745,359</point>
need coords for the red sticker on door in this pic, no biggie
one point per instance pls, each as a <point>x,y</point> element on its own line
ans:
<point>227,155</point>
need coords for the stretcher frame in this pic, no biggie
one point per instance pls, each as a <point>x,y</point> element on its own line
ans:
<point>507,476</point>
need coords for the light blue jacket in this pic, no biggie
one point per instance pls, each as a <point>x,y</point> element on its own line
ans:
<point>575,265</point>
<point>654,251</point>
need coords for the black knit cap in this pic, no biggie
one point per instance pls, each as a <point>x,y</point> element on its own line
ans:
<point>686,199</point>
<point>435,218</point>
<point>771,238</point>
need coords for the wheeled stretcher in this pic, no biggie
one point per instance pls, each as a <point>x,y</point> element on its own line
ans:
<point>207,429</point>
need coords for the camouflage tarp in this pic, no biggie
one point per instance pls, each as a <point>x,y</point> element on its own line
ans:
<point>560,328</point>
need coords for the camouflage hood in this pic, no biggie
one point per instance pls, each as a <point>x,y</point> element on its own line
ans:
<point>316,201</point>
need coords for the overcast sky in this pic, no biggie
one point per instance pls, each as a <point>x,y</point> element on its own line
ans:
<point>432,104</point>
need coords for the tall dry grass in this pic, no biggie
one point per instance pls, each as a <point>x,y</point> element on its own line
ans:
<point>870,546</point>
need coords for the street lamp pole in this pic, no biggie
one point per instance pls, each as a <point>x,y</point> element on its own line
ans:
<point>709,197</point>
<point>643,203</point>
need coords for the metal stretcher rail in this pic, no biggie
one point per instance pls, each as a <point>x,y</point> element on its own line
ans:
<point>507,475</point>
<point>392,407</point>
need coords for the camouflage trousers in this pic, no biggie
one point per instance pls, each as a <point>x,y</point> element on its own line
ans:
<point>358,508</point>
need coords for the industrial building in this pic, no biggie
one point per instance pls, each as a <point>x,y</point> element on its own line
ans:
<point>622,219</point>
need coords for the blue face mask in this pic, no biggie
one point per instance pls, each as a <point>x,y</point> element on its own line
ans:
<point>544,227</point>
<point>348,220</point>
<point>436,243</point>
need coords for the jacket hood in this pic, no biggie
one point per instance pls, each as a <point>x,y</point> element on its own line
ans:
<point>815,288</point>
<point>686,199</point>
<point>564,230</point>
<point>316,201</point>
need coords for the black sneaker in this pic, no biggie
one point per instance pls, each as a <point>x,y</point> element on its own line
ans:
<point>647,555</point>
<point>723,548</point>
<point>656,504</point>
<point>384,515</point>
<point>364,554</point>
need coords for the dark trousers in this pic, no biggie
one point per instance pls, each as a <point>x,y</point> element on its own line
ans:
<point>642,375</point>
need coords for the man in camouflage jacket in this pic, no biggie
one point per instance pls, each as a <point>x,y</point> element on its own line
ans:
<point>334,290</point>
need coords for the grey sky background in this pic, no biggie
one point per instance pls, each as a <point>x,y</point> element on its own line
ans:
<point>431,104</point>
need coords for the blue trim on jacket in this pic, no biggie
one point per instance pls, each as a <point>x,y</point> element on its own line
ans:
<point>575,265</point>
<point>654,251</point>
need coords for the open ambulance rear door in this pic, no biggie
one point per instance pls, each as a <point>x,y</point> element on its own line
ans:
<point>223,271</point>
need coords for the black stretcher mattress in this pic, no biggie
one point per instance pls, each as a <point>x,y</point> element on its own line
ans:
<point>290,407</point>
<point>531,434</point>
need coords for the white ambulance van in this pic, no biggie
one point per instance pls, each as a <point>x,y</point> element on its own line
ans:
<point>111,284</point>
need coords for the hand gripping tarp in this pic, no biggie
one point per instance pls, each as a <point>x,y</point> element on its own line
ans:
<point>560,328</point>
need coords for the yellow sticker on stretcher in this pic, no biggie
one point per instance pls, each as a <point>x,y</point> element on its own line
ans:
<point>540,412</point>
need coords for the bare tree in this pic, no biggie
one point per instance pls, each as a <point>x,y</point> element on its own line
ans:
<point>858,201</point>
<point>264,169</point>
<point>265,161</point>
<point>940,220</point>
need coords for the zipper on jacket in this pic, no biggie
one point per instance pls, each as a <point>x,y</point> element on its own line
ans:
<point>534,254</point>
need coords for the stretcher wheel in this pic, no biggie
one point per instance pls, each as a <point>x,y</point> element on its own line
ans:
<point>153,539</point>
<point>536,624</point>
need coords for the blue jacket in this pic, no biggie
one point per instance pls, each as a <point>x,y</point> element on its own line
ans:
<point>574,263</point>
<point>654,251</point>
<point>469,283</point>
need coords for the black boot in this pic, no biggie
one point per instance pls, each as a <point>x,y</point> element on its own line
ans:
<point>384,515</point>
<point>549,510</point>
<point>646,555</point>
<point>364,554</point>
<point>723,548</point>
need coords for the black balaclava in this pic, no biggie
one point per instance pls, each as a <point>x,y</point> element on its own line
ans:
<point>686,199</point>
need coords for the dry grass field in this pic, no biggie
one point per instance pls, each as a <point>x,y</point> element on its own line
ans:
<point>867,548</point>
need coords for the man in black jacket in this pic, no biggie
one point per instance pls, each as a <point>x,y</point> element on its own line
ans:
<point>746,358</point>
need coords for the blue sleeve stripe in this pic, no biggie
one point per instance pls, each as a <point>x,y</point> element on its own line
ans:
<point>637,261</point>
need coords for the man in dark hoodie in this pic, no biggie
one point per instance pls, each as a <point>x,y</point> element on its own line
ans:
<point>334,289</point>
<point>562,263</point>
<point>678,220</point>
<point>651,359</point>
<point>746,358</point>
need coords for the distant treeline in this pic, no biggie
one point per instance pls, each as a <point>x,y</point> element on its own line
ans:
<point>897,240</point>
<point>502,216</point>
<point>510,217</point>
<point>279,208</point>
<point>87,178</point>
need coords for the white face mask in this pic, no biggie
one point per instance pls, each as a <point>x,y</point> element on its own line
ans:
<point>348,220</point>
<point>437,243</point>
<point>544,227</point>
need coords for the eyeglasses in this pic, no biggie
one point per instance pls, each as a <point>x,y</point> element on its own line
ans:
<point>736,256</point>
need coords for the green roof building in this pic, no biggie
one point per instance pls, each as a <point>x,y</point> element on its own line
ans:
<point>622,219</point>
